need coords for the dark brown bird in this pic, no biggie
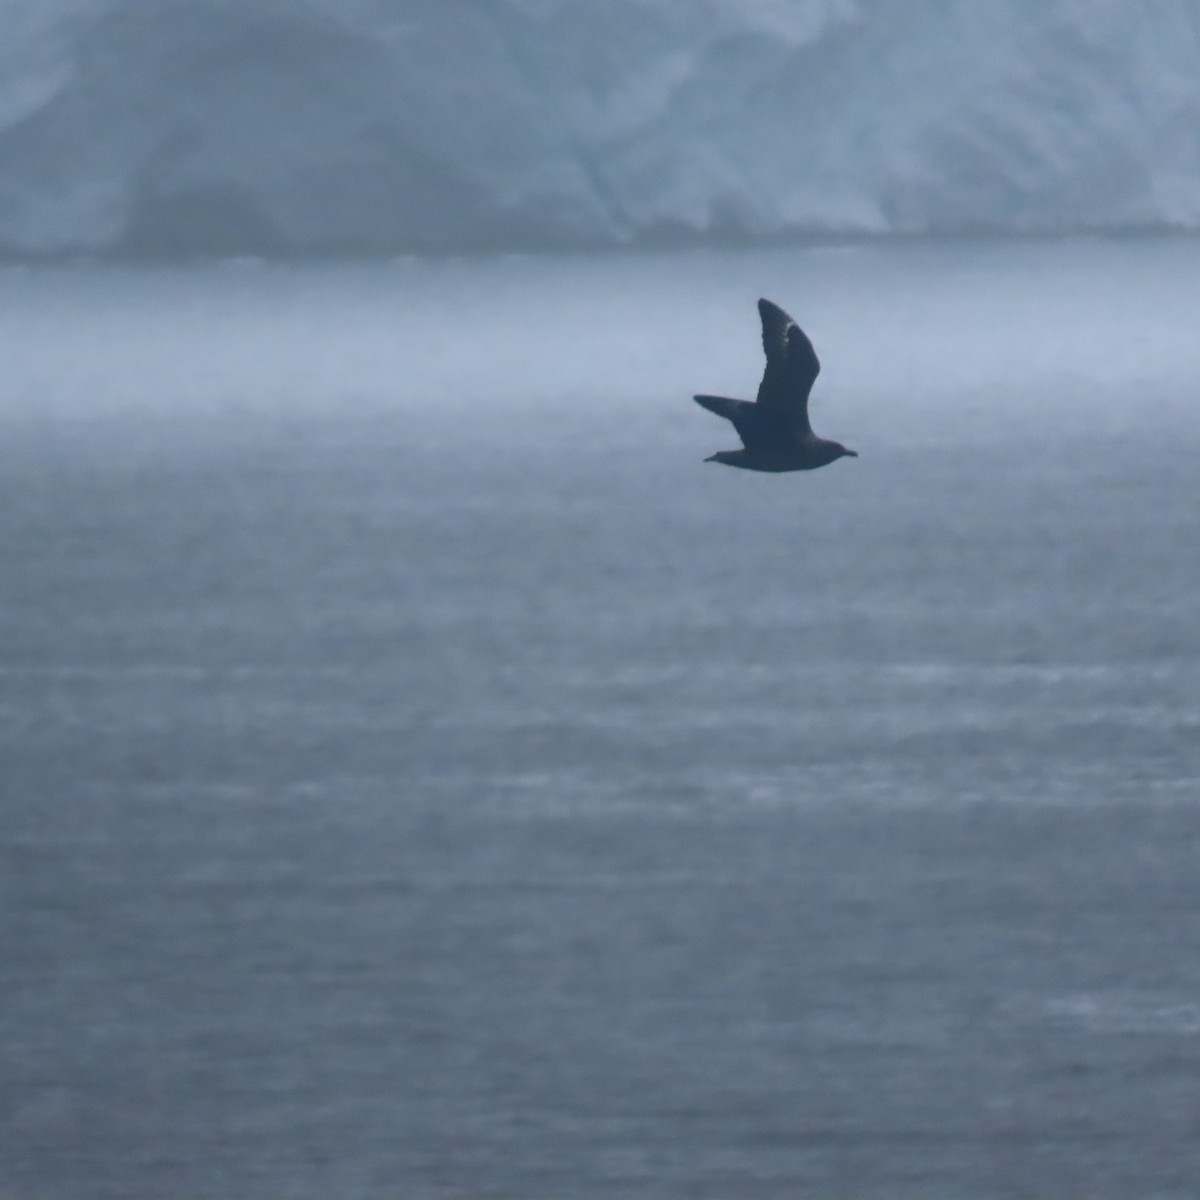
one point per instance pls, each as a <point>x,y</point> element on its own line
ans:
<point>775,429</point>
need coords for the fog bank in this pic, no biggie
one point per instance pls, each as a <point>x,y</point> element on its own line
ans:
<point>148,127</point>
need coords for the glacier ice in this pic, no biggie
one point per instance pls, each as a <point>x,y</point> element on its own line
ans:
<point>147,127</point>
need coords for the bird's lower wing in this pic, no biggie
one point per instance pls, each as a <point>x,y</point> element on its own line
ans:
<point>757,429</point>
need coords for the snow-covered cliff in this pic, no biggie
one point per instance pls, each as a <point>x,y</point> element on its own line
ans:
<point>226,126</point>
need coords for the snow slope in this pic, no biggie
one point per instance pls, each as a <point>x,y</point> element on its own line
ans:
<point>227,126</point>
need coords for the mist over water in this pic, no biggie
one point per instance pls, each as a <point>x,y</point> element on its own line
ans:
<point>152,128</point>
<point>425,776</point>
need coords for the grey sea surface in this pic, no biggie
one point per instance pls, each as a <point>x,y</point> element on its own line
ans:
<point>423,776</point>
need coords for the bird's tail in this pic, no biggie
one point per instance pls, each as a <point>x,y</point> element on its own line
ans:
<point>723,406</point>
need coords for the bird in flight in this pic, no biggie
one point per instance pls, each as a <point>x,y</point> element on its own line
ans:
<point>775,430</point>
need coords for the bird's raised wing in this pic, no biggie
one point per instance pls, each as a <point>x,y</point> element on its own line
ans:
<point>792,365</point>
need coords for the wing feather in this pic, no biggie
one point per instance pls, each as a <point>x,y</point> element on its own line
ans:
<point>792,366</point>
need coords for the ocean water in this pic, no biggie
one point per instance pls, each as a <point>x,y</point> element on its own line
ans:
<point>423,776</point>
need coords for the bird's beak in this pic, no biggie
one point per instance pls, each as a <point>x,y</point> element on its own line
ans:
<point>851,453</point>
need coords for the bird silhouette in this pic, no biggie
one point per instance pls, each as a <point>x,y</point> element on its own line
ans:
<point>774,428</point>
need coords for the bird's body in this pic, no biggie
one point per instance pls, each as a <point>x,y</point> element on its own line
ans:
<point>775,430</point>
